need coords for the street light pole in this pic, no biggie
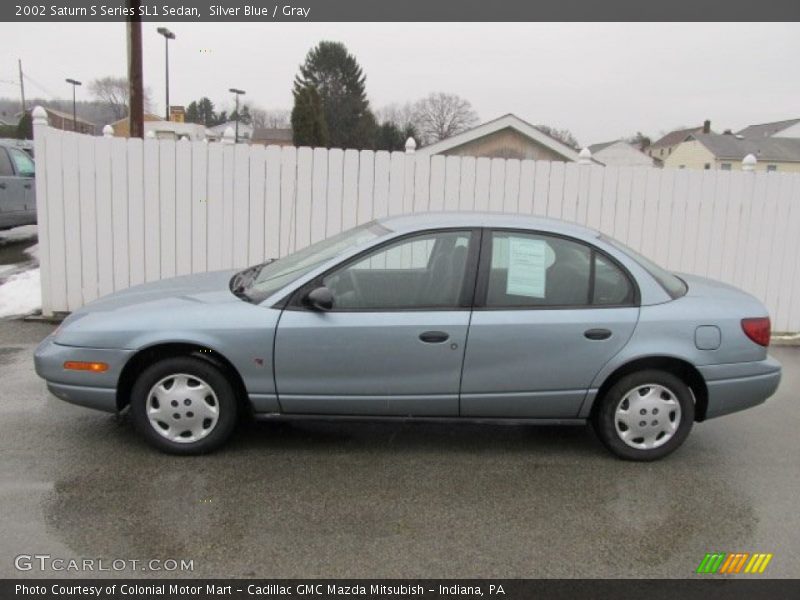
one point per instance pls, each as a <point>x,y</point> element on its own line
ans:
<point>74,83</point>
<point>237,93</point>
<point>168,35</point>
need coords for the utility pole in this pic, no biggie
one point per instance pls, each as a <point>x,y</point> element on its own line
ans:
<point>168,35</point>
<point>237,93</point>
<point>74,83</point>
<point>21,85</point>
<point>135,79</point>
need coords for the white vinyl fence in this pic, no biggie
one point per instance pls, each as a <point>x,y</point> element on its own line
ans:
<point>116,212</point>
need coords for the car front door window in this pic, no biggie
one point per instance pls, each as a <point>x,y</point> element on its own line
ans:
<point>420,272</point>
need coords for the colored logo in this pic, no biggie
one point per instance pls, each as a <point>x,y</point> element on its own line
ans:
<point>724,563</point>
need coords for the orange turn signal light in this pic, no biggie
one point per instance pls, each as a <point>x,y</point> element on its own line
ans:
<point>77,365</point>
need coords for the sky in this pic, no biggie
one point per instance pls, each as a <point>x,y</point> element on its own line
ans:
<point>602,81</point>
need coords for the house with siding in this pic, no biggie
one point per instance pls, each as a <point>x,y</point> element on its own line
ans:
<point>64,121</point>
<point>726,151</point>
<point>663,147</point>
<point>505,137</point>
<point>620,153</point>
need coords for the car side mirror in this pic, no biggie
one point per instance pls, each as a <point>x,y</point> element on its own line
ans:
<point>320,298</point>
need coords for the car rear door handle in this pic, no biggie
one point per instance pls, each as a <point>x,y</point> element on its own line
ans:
<point>597,334</point>
<point>27,186</point>
<point>434,337</point>
<point>2,186</point>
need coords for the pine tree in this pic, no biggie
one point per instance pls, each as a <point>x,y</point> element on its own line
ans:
<point>25,127</point>
<point>308,119</point>
<point>340,82</point>
<point>191,113</point>
<point>205,112</point>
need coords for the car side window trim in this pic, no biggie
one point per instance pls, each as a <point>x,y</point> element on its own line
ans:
<point>294,300</point>
<point>485,264</point>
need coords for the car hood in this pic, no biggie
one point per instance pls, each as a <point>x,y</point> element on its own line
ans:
<point>202,287</point>
<point>173,293</point>
<point>194,309</point>
<point>180,305</point>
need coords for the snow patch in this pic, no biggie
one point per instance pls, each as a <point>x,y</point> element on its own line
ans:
<point>33,252</point>
<point>21,294</point>
<point>19,234</point>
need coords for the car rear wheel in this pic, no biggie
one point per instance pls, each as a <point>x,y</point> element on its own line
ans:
<point>645,415</point>
<point>184,405</point>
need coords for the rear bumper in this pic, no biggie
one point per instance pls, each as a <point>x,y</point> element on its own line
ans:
<point>735,387</point>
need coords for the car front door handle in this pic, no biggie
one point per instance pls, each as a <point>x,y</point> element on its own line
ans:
<point>2,186</point>
<point>434,337</point>
<point>597,334</point>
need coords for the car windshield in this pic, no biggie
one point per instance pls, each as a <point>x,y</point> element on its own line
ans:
<point>672,284</point>
<point>262,281</point>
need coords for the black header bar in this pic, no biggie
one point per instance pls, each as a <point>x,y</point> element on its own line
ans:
<point>268,11</point>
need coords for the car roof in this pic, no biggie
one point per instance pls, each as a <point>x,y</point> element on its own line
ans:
<point>417,221</point>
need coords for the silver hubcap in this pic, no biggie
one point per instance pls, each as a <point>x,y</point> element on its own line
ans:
<point>647,416</point>
<point>182,408</point>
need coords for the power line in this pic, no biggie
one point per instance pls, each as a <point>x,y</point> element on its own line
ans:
<point>39,85</point>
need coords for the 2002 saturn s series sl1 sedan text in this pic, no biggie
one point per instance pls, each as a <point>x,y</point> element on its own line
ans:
<point>439,316</point>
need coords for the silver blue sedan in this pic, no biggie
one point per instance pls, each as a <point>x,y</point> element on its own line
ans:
<point>452,317</point>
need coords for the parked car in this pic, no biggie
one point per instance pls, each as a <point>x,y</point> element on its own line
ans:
<point>458,317</point>
<point>17,189</point>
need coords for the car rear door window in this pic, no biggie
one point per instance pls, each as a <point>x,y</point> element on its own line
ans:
<point>611,286</point>
<point>418,272</point>
<point>537,270</point>
<point>530,270</point>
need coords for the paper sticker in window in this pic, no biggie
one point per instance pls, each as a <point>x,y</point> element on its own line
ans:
<point>527,264</point>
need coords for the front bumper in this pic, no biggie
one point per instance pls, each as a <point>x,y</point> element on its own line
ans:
<point>738,386</point>
<point>94,390</point>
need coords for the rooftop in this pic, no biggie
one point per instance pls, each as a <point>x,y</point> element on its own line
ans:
<point>675,137</point>
<point>764,149</point>
<point>767,129</point>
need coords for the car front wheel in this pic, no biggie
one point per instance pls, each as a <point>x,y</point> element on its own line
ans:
<point>645,415</point>
<point>184,405</point>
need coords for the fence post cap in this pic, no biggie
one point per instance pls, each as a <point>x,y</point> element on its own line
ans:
<point>411,145</point>
<point>749,162</point>
<point>39,116</point>
<point>108,131</point>
<point>585,156</point>
<point>228,136</point>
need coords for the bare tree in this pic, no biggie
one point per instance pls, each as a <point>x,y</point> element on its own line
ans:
<point>562,135</point>
<point>276,118</point>
<point>440,115</point>
<point>404,116</point>
<point>639,140</point>
<point>115,92</point>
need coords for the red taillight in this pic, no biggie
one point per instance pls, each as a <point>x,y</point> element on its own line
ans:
<point>757,330</point>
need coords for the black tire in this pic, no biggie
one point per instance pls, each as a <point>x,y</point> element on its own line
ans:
<point>604,419</point>
<point>207,373</point>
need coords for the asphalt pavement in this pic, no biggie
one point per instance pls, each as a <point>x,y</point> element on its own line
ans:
<point>316,499</point>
